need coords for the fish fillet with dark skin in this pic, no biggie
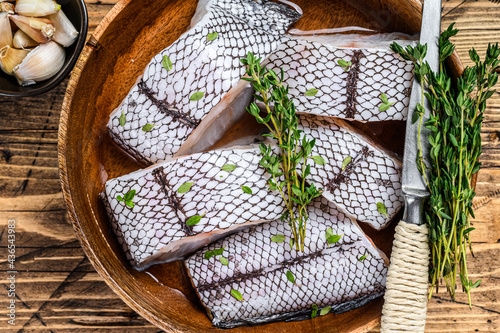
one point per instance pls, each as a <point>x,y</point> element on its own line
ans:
<point>351,89</point>
<point>278,283</point>
<point>156,228</point>
<point>191,92</point>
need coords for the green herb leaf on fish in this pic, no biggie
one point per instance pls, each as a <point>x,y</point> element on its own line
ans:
<point>212,36</point>
<point>236,294</point>
<point>328,233</point>
<point>147,127</point>
<point>122,119</point>
<point>246,189</point>
<point>292,242</point>
<point>325,311</point>
<point>290,277</point>
<point>278,238</point>
<point>193,220</point>
<point>385,103</point>
<point>228,167</point>
<point>318,160</point>
<point>381,208</point>
<point>224,261</point>
<point>314,312</point>
<point>197,96</point>
<point>127,198</point>
<point>311,92</point>
<point>209,254</point>
<point>334,239</point>
<point>218,252</point>
<point>363,257</point>
<point>166,63</point>
<point>346,162</point>
<point>344,64</point>
<point>185,187</point>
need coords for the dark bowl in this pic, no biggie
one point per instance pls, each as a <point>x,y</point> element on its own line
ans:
<point>76,12</point>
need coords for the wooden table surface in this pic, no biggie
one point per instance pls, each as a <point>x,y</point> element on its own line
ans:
<point>57,289</point>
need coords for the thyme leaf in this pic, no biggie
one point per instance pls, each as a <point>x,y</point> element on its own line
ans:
<point>185,187</point>
<point>147,127</point>
<point>166,63</point>
<point>278,238</point>
<point>346,162</point>
<point>311,92</point>
<point>381,208</point>
<point>236,294</point>
<point>325,311</point>
<point>228,167</point>
<point>122,119</point>
<point>193,220</point>
<point>197,96</point>
<point>212,36</point>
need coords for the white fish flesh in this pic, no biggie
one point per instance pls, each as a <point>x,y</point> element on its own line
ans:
<point>351,92</point>
<point>156,228</point>
<point>187,99</point>
<point>344,275</point>
<point>370,175</point>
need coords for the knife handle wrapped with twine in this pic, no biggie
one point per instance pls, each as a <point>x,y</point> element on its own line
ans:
<point>407,280</point>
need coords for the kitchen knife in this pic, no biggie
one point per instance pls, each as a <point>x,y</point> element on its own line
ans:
<point>405,305</point>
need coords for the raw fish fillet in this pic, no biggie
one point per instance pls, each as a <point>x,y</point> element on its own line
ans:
<point>163,98</point>
<point>344,275</point>
<point>155,229</point>
<point>373,175</point>
<point>311,62</point>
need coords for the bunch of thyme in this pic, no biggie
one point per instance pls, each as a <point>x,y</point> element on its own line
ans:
<point>456,114</point>
<point>285,164</point>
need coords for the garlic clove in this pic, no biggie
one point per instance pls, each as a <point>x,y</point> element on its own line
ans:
<point>37,7</point>
<point>39,29</point>
<point>43,62</point>
<point>66,33</point>
<point>6,7</point>
<point>22,41</point>
<point>10,58</point>
<point>5,30</point>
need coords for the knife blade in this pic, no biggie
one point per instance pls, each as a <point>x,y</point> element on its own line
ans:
<point>405,300</point>
<point>413,184</point>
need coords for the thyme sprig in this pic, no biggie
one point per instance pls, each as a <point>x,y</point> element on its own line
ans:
<point>295,149</point>
<point>456,114</point>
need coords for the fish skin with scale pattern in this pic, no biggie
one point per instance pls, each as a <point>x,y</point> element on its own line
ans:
<point>352,93</point>
<point>325,274</point>
<point>155,229</point>
<point>372,176</point>
<point>162,98</point>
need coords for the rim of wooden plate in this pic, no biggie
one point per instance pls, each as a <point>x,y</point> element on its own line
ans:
<point>412,16</point>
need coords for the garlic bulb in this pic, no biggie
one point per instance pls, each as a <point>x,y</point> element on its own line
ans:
<point>40,64</point>
<point>10,58</point>
<point>5,30</point>
<point>37,7</point>
<point>22,41</point>
<point>40,29</point>
<point>66,33</point>
<point>6,7</point>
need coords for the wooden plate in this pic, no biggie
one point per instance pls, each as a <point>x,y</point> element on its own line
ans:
<point>128,37</point>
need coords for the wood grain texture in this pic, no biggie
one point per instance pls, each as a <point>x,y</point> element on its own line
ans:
<point>58,289</point>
